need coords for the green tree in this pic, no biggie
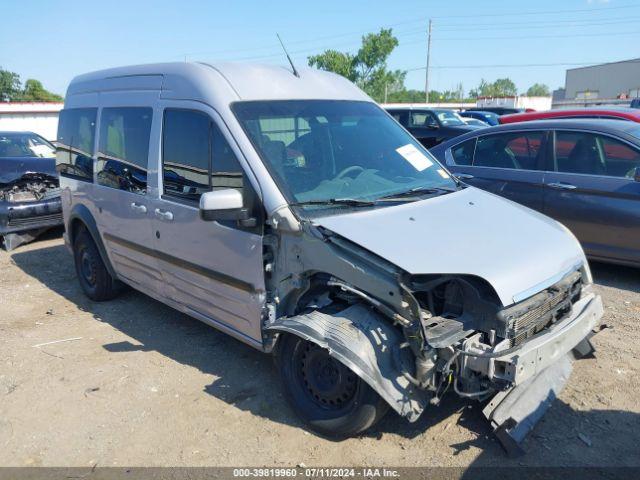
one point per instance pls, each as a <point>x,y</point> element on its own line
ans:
<point>407,96</point>
<point>368,67</point>
<point>35,92</point>
<point>538,90</point>
<point>10,86</point>
<point>11,89</point>
<point>333,61</point>
<point>502,87</point>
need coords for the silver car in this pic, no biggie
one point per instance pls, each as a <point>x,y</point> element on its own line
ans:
<point>290,211</point>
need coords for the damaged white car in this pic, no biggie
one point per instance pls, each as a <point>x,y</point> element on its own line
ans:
<point>289,210</point>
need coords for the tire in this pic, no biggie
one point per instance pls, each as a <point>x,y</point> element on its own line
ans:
<point>326,395</point>
<point>94,278</point>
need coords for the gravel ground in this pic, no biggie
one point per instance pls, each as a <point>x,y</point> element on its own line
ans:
<point>140,384</point>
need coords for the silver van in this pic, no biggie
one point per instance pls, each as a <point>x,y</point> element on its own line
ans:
<point>290,211</point>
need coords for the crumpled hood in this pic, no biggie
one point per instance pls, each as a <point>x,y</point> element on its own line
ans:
<point>12,168</point>
<point>517,250</point>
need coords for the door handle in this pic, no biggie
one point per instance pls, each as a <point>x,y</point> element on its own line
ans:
<point>463,176</point>
<point>562,186</point>
<point>163,214</point>
<point>137,207</point>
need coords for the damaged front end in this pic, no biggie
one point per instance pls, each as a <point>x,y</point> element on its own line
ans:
<point>519,356</point>
<point>29,205</point>
<point>413,338</point>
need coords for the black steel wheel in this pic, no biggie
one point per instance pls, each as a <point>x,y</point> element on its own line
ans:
<point>326,394</point>
<point>94,278</point>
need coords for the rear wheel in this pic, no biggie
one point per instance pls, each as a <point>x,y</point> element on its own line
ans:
<point>326,394</point>
<point>95,280</point>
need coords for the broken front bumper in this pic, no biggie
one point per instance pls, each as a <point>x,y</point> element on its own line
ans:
<point>22,216</point>
<point>543,350</point>
<point>538,372</point>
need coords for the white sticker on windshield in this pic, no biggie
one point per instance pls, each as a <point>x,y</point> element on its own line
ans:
<point>414,156</point>
<point>442,173</point>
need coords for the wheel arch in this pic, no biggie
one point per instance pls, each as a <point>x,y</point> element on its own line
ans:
<point>80,217</point>
<point>366,343</point>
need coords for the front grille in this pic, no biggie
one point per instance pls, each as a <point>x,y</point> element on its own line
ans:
<point>35,221</point>
<point>526,318</point>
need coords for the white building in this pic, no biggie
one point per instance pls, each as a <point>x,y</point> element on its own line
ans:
<point>38,117</point>
<point>517,101</point>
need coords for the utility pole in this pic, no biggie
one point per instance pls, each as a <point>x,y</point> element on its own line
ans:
<point>426,77</point>
<point>385,92</point>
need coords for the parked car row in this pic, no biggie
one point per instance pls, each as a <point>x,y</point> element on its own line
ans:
<point>431,126</point>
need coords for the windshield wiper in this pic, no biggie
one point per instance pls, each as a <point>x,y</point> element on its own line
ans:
<point>419,191</point>
<point>349,202</point>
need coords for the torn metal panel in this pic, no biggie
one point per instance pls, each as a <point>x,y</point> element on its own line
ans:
<point>513,413</point>
<point>367,344</point>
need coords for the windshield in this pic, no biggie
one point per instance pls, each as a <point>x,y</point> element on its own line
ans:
<point>448,118</point>
<point>320,150</point>
<point>24,145</point>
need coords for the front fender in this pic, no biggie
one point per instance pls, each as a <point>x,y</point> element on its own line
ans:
<point>365,342</point>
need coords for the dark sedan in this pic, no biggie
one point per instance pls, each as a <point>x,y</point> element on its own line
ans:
<point>430,126</point>
<point>583,173</point>
<point>29,192</point>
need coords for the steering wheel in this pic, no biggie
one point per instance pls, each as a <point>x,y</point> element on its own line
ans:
<point>348,170</point>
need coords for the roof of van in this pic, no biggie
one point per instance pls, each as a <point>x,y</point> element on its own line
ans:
<point>222,82</point>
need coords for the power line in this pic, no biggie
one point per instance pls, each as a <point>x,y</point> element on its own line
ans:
<point>527,37</point>
<point>534,25</point>
<point>547,12</point>
<point>520,65</point>
<point>275,46</point>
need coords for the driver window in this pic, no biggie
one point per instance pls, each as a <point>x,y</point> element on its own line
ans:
<point>196,157</point>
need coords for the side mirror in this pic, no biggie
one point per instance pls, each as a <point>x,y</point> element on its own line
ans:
<point>225,204</point>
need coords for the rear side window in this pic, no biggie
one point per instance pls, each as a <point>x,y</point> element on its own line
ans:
<point>422,119</point>
<point>463,153</point>
<point>517,151</point>
<point>196,157</point>
<point>76,134</point>
<point>402,117</point>
<point>124,148</point>
<point>593,154</point>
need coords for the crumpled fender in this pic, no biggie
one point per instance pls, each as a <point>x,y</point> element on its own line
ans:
<point>365,342</point>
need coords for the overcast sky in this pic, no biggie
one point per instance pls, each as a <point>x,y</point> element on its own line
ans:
<point>528,41</point>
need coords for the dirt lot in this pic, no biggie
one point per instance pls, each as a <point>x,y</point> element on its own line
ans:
<point>143,385</point>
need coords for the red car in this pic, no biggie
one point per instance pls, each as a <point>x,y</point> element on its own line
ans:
<point>621,113</point>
